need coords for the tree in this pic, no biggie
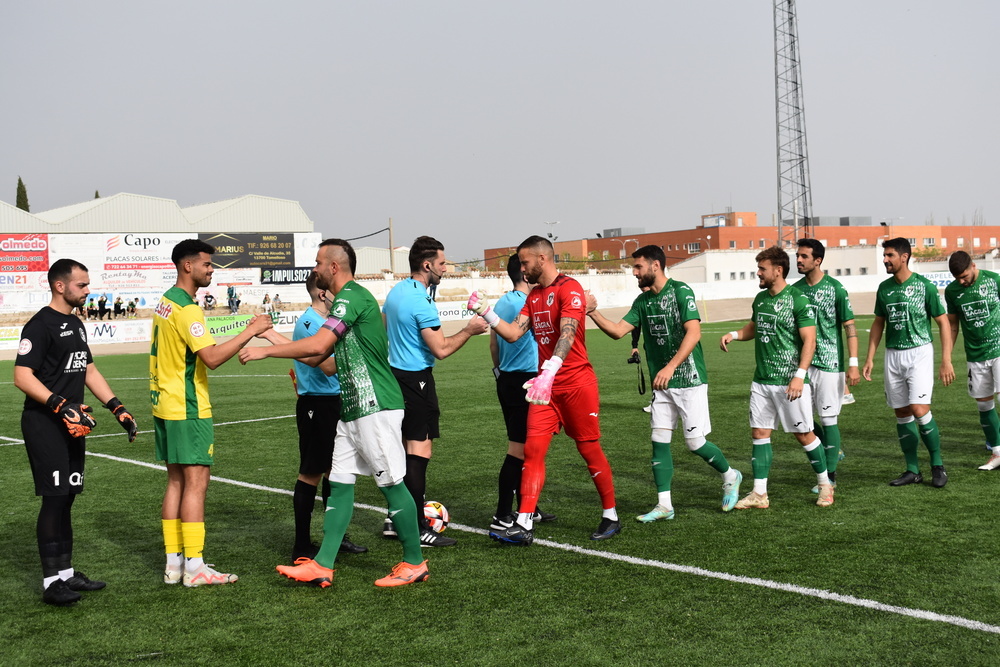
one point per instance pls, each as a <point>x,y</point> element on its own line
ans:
<point>97,195</point>
<point>22,196</point>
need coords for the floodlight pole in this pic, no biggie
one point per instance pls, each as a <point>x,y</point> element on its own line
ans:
<point>392,253</point>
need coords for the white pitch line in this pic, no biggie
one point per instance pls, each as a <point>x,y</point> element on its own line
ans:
<point>921,614</point>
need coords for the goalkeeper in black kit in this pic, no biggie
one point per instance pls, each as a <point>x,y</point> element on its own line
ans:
<point>52,368</point>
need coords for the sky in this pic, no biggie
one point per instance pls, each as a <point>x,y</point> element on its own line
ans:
<point>479,122</point>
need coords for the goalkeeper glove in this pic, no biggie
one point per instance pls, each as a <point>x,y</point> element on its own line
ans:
<point>480,305</point>
<point>74,415</point>
<point>125,418</point>
<point>540,387</point>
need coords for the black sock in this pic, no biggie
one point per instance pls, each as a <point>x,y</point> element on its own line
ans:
<point>303,501</point>
<point>416,483</point>
<point>509,484</point>
<point>54,545</point>
<point>325,493</point>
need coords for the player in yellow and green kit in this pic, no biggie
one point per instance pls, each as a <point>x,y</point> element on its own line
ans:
<point>831,308</point>
<point>671,331</point>
<point>905,304</point>
<point>181,352</point>
<point>974,300</point>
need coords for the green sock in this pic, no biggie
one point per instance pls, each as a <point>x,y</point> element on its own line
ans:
<point>663,466</point>
<point>931,436</point>
<point>831,446</point>
<point>819,430</point>
<point>403,512</point>
<point>761,461</point>
<point>909,440</point>
<point>713,456</point>
<point>340,508</point>
<point>991,426</point>
<point>817,457</point>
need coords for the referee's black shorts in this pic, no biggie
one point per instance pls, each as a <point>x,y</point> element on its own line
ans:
<point>420,404</point>
<point>511,392</point>
<point>316,417</point>
<point>55,456</point>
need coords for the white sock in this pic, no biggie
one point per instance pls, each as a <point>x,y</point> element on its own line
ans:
<point>65,574</point>
<point>663,498</point>
<point>760,486</point>
<point>822,478</point>
<point>996,451</point>
<point>48,581</point>
<point>192,564</point>
<point>610,514</point>
<point>730,475</point>
<point>524,518</point>
<point>174,561</point>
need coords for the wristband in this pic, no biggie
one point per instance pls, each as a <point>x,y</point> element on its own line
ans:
<point>853,361</point>
<point>800,373</point>
<point>735,335</point>
<point>552,364</point>
<point>491,318</point>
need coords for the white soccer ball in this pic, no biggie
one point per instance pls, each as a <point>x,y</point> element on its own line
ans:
<point>437,516</point>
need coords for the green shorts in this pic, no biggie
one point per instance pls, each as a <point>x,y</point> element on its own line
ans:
<point>185,441</point>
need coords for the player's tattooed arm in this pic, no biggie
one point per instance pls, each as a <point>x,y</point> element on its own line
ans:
<point>567,334</point>
<point>853,374</point>
<point>851,329</point>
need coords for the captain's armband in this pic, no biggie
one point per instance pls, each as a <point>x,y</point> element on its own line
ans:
<point>337,326</point>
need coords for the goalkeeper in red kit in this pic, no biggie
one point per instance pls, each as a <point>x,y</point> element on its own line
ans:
<point>563,394</point>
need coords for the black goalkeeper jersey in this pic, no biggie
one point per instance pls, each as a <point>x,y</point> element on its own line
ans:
<point>55,347</point>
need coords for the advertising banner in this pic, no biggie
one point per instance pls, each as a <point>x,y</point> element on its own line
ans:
<point>119,331</point>
<point>243,250</point>
<point>24,253</point>
<point>10,336</point>
<point>117,252</point>
<point>230,325</point>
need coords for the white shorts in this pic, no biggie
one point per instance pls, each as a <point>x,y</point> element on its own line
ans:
<point>372,446</point>
<point>769,406</point>
<point>909,376</point>
<point>827,391</point>
<point>984,378</point>
<point>689,404</point>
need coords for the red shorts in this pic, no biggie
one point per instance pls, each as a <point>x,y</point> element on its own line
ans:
<point>574,408</point>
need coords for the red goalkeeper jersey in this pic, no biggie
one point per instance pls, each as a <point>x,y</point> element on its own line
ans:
<point>546,306</point>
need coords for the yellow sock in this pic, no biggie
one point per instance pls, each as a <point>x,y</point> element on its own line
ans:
<point>194,539</point>
<point>173,539</point>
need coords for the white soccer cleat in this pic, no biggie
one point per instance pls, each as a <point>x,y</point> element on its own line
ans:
<point>992,464</point>
<point>754,500</point>
<point>206,576</point>
<point>173,575</point>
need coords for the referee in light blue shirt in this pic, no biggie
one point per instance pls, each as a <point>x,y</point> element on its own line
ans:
<point>317,412</point>
<point>513,365</point>
<point>415,342</point>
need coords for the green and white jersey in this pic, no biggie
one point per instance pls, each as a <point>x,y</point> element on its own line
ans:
<point>367,385</point>
<point>978,310</point>
<point>908,308</point>
<point>777,343</point>
<point>830,306</point>
<point>661,319</point>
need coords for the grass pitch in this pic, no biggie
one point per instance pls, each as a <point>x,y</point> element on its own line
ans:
<point>908,572</point>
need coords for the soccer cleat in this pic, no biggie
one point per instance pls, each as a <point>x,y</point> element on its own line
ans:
<point>608,528</point>
<point>907,478</point>
<point>80,582</point>
<point>841,454</point>
<point>516,534</point>
<point>655,514</point>
<point>348,547</point>
<point>206,576</point>
<point>648,408</point>
<point>938,477</point>
<point>428,538</point>
<point>504,521</point>
<point>388,530</point>
<point>60,594</point>
<point>848,399</point>
<point>542,517</point>
<point>404,573</point>
<point>173,575</point>
<point>754,500</point>
<point>825,495</point>
<point>731,492</point>
<point>815,489</point>
<point>992,464</point>
<point>308,571</point>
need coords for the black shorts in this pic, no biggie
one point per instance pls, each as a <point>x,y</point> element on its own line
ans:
<point>511,392</point>
<point>420,404</point>
<point>56,458</point>
<point>316,417</point>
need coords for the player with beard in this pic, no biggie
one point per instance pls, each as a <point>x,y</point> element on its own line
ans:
<point>53,366</point>
<point>564,394</point>
<point>831,308</point>
<point>181,352</point>
<point>415,342</point>
<point>784,335</point>
<point>667,314</point>
<point>905,304</point>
